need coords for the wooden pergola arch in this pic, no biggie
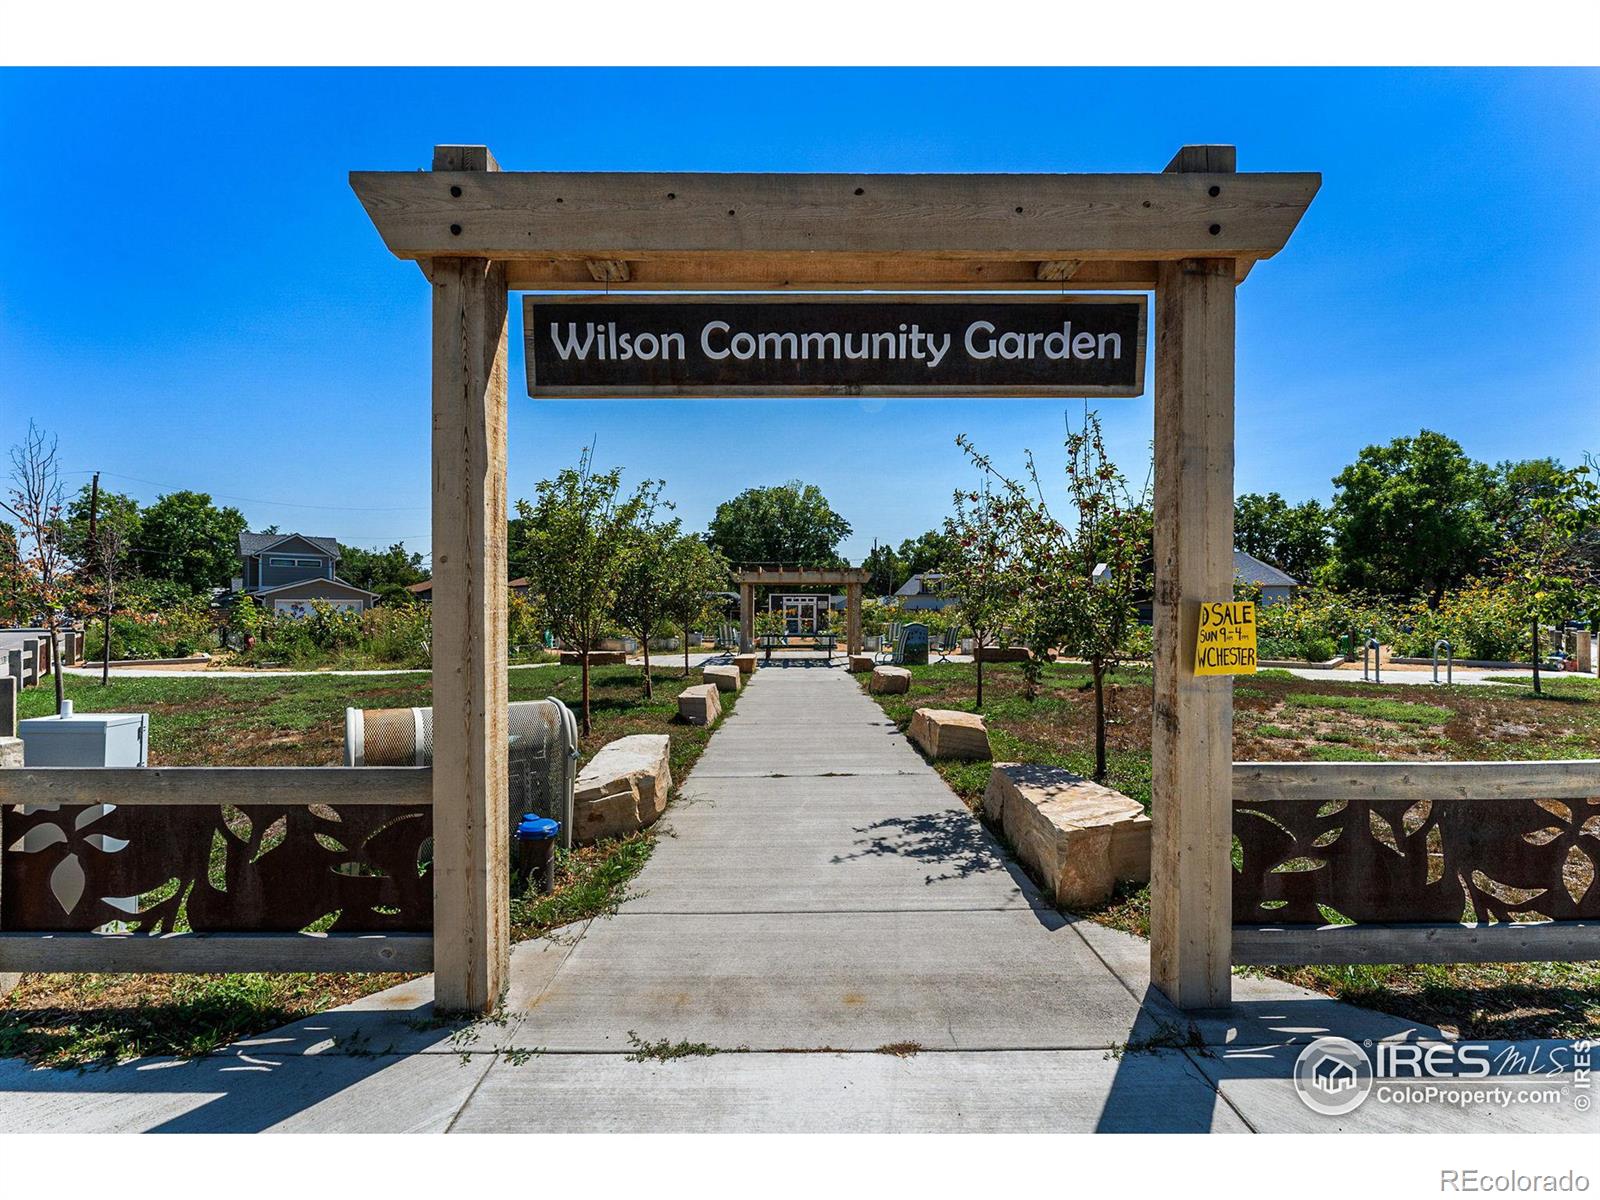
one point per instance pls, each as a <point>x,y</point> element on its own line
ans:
<point>852,579</point>
<point>1190,233</point>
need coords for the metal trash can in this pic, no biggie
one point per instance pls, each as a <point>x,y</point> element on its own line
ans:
<point>535,839</point>
<point>543,753</point>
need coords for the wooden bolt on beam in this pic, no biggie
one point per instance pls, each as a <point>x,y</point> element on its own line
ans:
<point>1191,742</point>
<point>471,837</point>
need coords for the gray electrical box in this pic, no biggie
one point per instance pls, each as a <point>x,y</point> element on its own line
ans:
<point>73,739</point>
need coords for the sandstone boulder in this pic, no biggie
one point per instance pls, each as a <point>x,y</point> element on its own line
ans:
<point>699,705</point>
<point>890,680</point>
<point>862,662</point>
<point>1077,837</point>
<point>745,662</point>
<point>725,677</point>
<point>622,788</point>
<point>947,733</point>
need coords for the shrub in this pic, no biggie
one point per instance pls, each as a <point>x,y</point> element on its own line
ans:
<point>524,622</point>
<point>1316,622</point>
<point>176,632</point>
<point>1480,621</point>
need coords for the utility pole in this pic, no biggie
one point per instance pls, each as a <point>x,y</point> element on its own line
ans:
<point>105,583</point>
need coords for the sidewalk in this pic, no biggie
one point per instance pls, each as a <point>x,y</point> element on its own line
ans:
<point>823,940</point>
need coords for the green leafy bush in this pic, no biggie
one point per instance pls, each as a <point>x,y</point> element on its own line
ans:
<point>1315,624</point>
<point>396,636</point>
<point>1478,619</point>
<point>178,631</point>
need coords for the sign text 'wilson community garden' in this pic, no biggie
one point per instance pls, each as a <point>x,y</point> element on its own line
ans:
<point>878,346</point>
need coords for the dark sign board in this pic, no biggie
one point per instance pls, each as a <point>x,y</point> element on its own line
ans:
<point>834,346</point>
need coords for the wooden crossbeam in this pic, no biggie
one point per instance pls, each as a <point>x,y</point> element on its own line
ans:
<point>1543,780</point>
<point>509,215</point>
<point>188,953</point>
<point>333,786</point>
<point>1348,945</point>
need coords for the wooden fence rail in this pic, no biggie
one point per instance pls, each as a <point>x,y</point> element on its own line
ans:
<point>259,855</point>
<point>1351,863</point>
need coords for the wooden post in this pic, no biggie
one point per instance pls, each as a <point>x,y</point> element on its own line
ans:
<point>747,617</point>
<point>9,687</point>
<point>852,618</point>
<point>1191,920</point>
<point>471,887</point>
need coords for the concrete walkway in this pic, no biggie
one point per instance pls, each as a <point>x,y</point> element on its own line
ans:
<point>825,915</point>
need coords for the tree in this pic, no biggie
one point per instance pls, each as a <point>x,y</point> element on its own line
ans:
<point>887,571</point>
<point>927,552</point>
<point>694,574</point>
<point>792,523</point>
<point>1545,568</point>
<point>110,509</point>
<point>1411,517</point>
<point>36,502</point>
<point>640,605</point>
<point>978,569</point>
<point>16,585</point>
<point>1077,586</point>
<point>186,539</point>
<point>380,570</point>
<point>577,529</point>
<point>1293,538</point>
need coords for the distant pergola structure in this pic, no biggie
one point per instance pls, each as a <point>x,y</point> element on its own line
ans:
<point>852,579</point>
<point>1189,233</point>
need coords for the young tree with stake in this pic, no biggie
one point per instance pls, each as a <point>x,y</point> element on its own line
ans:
<point>37,503</point>
<point>695,573</point>
<point>577,529</point>
<point>1547,566</point>
<point>1077,587</point>
<point>978,569</point>
<point>640,607</point>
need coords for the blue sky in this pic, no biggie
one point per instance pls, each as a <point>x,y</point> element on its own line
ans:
<point>191,296</point>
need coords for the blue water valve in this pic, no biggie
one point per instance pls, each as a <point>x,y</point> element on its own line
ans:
<point>537,829</point>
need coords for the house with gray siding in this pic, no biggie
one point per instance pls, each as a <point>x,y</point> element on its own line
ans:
<point>924,592</point>
<point>285,572</point>
<point>1277,587</point>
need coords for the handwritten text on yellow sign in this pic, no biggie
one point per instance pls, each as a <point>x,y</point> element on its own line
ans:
<point>1226,642</point>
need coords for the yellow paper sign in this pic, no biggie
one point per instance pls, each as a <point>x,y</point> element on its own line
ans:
<point>1226,642</point>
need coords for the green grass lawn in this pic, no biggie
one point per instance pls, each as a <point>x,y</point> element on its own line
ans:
<point>1279,717</point>
<point>77,1019</point>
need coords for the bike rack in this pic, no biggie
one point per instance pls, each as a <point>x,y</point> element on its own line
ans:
<point>1449,661</point>
<point>1370,652</point>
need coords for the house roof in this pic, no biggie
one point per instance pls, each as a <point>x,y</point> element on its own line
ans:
<point>315,582</point>
<point>251,544</point>
<point>1252,570</point>
<point>915,586</point>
